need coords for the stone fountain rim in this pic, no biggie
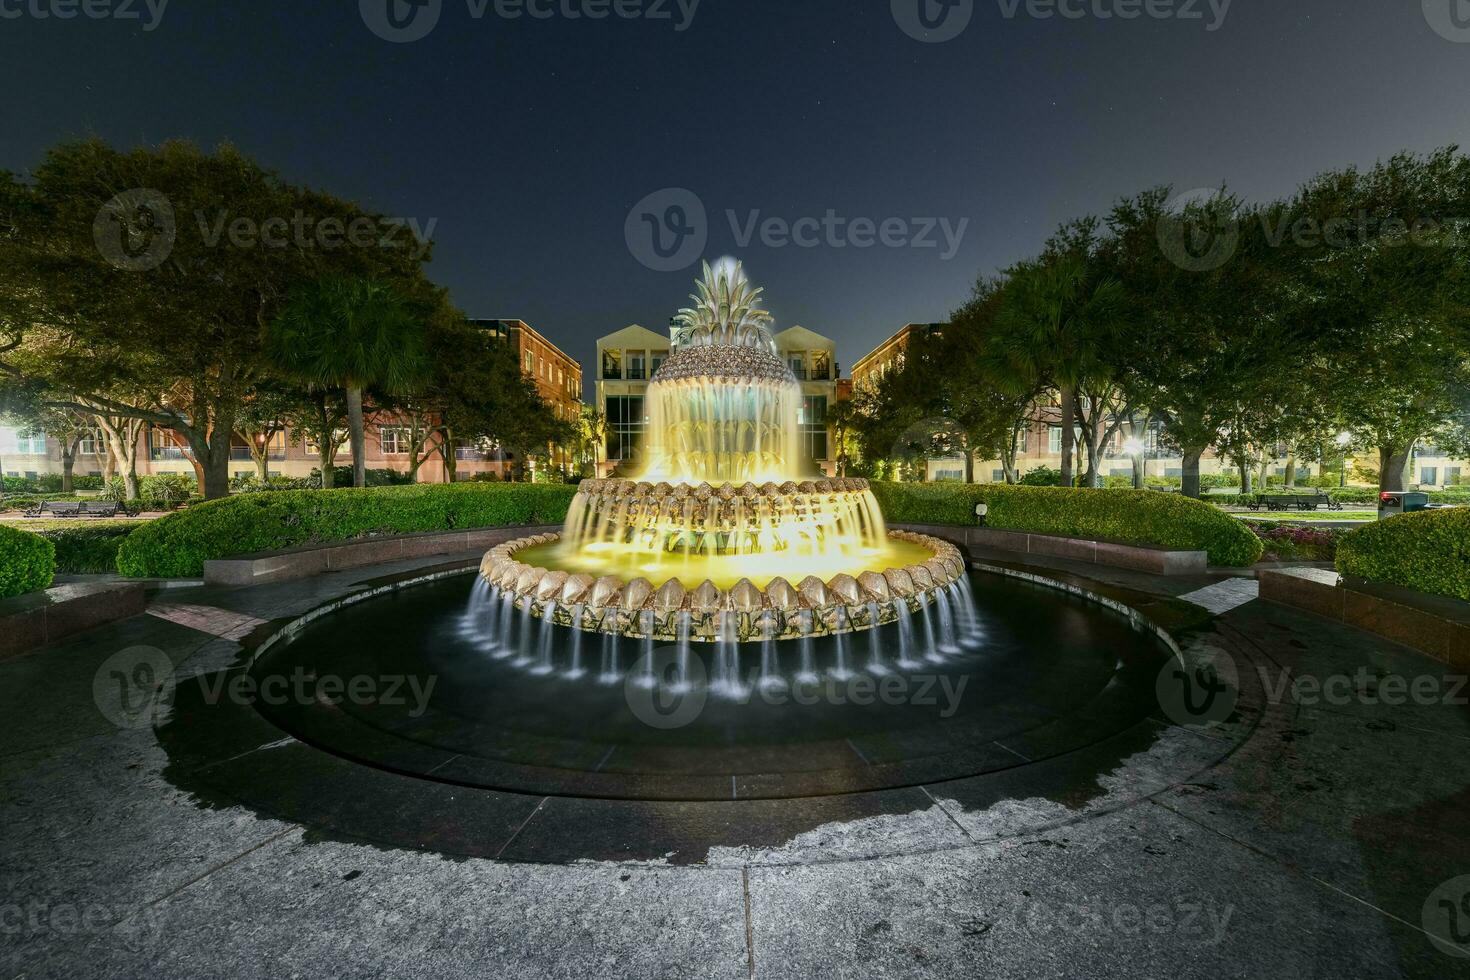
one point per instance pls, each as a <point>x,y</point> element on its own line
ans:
<point>871,586</point>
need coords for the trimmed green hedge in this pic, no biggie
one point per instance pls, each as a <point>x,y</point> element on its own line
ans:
<point>87,548</point>
<point>1144,517</point>
<point>1427,550</point>
<point>177,546</point>
<point>27,562</point>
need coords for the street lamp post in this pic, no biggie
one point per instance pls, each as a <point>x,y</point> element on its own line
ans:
<point>1343,439</point>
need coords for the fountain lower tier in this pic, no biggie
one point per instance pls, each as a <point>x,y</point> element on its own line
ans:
<point>673,610</point>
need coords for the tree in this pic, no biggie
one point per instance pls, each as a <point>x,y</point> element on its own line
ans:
<point>354,334</point>
<point>1053,327</point>
<point>592,431</point>
<point>1384,255</point>
<point>106,287</point>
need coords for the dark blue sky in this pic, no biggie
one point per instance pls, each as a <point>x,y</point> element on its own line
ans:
<point>530,140</point>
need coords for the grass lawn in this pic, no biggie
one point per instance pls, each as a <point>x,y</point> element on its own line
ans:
<point>38,524</point>
<point>1309,515</point>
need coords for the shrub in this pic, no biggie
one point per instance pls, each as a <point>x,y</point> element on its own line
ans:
<point>1428,551</point>
<point>27,562</point>
<point>1296,542</point>
<point>180,544</point>
<point>87,549</point>
<point>172,488</point>
<point>1042,476</point>
<point>1144,517</point>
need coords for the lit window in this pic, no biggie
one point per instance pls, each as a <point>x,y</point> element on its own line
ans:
<point>394,440</point>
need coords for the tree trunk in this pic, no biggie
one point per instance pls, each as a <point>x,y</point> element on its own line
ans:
<point>327,461</point>
<point>262,466</point>
<point>109,464</point>
<point>213,463</point>
<point>1264,471</point>
<point>1190,479</point>
<point>1138,474</point>
<point>359,437</point>
<point>1291,471</point>
<point>1069,441</point>
<point>122,445</point>
<point>1245,478</point>
<point>1393,467</point>
<point>969,466</point>
<point>68,460</point>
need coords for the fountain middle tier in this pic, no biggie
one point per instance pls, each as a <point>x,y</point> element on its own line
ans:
<point>828,521</point>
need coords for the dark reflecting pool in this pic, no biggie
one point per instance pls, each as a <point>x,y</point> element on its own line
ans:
<point>445,682</point>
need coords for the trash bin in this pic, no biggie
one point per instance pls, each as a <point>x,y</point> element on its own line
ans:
<point>1393,502</point>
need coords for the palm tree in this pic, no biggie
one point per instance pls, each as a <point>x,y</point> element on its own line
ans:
<point>352,334</point>
<point>1053,325</point>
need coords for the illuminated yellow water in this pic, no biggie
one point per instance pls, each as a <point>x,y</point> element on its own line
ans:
<point>724,570</point>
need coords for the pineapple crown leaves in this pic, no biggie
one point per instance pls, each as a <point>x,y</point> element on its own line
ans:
<point>726,309</point>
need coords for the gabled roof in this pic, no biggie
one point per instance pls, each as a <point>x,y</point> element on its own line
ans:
<point>634,337</point>
<point>800,338</point>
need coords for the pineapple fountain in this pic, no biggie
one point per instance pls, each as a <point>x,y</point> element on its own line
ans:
<point>727,535</point>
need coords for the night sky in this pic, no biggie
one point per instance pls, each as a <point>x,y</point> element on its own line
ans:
<point>531,140</point>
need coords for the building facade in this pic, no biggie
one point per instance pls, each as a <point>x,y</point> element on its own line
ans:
<point>628,359</point>
<point>888,356</point>
<point>558,378</point>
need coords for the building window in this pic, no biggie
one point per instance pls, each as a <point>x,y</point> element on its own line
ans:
<point>1054,440</point>
<point>612,365</point>
<point>93,444</point>
<point>23,442</point>
<point>162,447</point>
<point>798,365</point>
<point>636,362</point>
<point>655,362</point>
<point>394,439</point>
<point>1429,476</point>
<point>625,426</point>
<point>821,366</point>
<point>1451,476</point>
<point>530,361</point>
<point>1023,441</point>
<point>814,425</point>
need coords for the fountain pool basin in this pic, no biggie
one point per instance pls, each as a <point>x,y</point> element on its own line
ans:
<point>536,708</point>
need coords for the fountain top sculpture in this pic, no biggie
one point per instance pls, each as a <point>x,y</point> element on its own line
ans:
<point>726,311</point>
<point>725,335</point>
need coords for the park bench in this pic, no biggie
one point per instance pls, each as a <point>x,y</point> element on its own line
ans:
<point>1293,501</point>
<point>73,508</point>
<point>56,508</point>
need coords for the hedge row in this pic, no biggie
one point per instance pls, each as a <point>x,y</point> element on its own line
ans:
<point>87,548</point>
<point>1428,551</point>
<point>27,562</point>
<point>177,546</point>
<point>1143,517</point>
